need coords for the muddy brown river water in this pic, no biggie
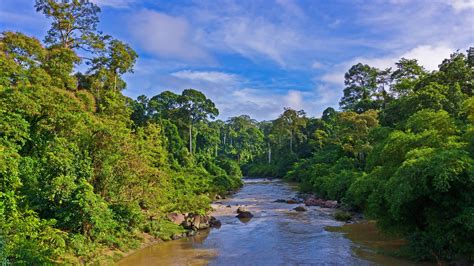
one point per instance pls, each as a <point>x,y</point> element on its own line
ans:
<point>276,235</point>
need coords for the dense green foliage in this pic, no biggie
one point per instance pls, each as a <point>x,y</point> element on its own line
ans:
<point>82,167</point>
<point>401,151</point>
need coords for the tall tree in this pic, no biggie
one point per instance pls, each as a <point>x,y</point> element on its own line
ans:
<point>163,105</point>
<point>247,138</point>
<point>405,76</point>
<point>195,107</point>
<point>361,86</point>
<point>291,121</point>
<point>117,59</point>
<point>74,22</point>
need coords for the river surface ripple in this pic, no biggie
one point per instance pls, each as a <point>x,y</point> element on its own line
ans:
<point>276,235</point>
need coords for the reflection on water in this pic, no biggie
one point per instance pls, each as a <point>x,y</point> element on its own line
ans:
<point>184,251</point>
<point>373,244</point>
<point>276,235</point>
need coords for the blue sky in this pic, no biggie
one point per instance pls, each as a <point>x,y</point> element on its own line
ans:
<point>256,57</point>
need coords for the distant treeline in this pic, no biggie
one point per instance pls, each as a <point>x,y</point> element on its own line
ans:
<point>401,150</point>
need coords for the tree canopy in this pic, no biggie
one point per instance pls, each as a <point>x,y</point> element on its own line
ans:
<point>85,169</point>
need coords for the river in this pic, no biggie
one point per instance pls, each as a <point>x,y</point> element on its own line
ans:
<point>276,235</point>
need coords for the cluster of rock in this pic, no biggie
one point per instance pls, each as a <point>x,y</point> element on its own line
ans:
<point>312,201</point>
<point>290,201</point>
<point>194,222</point>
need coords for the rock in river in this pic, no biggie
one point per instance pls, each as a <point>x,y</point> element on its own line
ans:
<point>321,203</point>
<point>213,222</point>
<point>300,209</point>
<point>241,209</point>
<point>196,222</point>
<point>243,213</point>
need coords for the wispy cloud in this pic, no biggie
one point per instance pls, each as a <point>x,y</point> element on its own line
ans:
<point>256,37</point>
<point>427,55</point>
<point>317,65</point>
<point>461,5</point>
<point>209,76</point>
<point>165,36</point>
<point>114,3</point>
<point>257,57</point>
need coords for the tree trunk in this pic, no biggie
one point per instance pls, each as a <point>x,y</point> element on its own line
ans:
<point>291,141</point>
<point>191,138</point>
<point>269,154</point>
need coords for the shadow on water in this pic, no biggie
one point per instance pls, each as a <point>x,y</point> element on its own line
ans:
<point>276,235</point>
<point>371,244</point>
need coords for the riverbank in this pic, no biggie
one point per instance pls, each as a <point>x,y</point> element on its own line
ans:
<point>276,234</point>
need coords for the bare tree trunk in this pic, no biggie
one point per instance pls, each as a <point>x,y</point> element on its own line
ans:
<point>191,138</point>
<point>269,154</point>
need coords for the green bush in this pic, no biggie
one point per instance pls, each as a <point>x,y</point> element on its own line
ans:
<point>342,216</point>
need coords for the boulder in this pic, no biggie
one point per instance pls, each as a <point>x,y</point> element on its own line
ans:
<point>331,204</point>
<point>300,209</point>
<point>313,202</point>
<point>202,222</point>
<point>213,222</point>
<point>321,203</point>
<point>178,236</point>
<point>176,218</point>
<point>243,213</point>
<point>196,222</point>
<point>280,201</point>
<point>241,209</point>
<point>291,201</point>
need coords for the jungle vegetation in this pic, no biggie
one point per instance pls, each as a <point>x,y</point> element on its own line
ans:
<point>84,168</point>
<point>401,150</point>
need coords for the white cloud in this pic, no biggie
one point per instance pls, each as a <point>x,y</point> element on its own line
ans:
<point>265,104</point>
<point>165,36</point>
<point>294,99</point>
<point>256,37</point>
<point>23,20</point>
<point>399,25</point>
<point>461,5</point>
<point>428,56</point>
<point>230,92</point>
<point>326,96</point>
<point>209,76</point>
<point>378,35</point>
<point>336,76</point>
<point>291,7</point>
<point>114,3</point>
<point>317,65</point>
